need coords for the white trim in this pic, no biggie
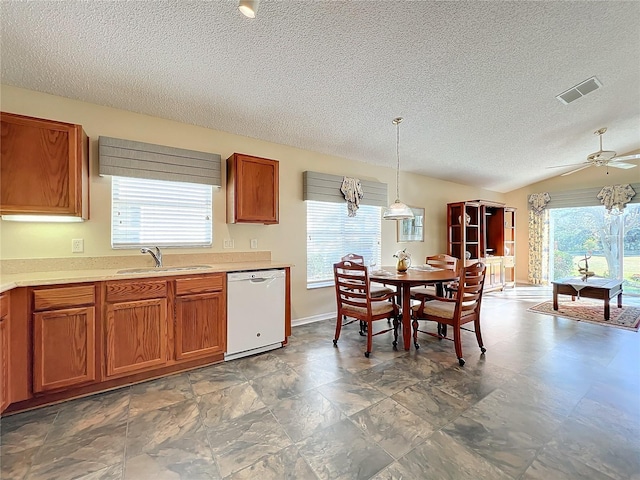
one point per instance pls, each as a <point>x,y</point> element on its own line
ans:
<point>314,318</point>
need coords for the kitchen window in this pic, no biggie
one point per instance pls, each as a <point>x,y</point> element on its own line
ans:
<point>331,234</point>
<point>160,213</point>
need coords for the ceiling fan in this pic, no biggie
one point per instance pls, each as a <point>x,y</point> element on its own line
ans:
<point>602,158</point>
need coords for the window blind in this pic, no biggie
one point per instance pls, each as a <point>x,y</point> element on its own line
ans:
<point>331,234</point>
<point>160,213</point>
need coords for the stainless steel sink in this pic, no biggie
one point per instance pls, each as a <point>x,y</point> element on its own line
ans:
<point>162,269</point>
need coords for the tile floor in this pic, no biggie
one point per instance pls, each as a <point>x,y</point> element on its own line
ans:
<point>552,399</point>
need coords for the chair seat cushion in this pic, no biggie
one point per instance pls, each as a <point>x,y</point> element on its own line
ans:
<point>424,290</point>
<point>377,308</point>
<point>436,308</point>
<point>380,291</point>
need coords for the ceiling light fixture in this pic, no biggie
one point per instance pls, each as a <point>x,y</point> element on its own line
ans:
<point>248,7</point>
<point>397,210</point>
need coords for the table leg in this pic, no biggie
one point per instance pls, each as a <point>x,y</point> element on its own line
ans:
<point>406,316</point>
<point>606,308</point>
<point>620,299</point>
<point>555,297</point>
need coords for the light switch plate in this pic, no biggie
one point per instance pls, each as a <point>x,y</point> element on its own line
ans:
<point>228,243</point>
<point>254,243</point>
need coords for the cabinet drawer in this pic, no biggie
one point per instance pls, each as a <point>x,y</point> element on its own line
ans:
<point>4,305</point>
<point>210,283</point>
<point>142,290</point>
<point>63,297</point>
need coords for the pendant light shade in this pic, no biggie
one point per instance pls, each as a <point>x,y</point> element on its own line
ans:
<point>397,210</point>
<point>248,7</point>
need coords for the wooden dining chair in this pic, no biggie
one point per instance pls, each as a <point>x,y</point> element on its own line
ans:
<point>462,309</point>
<point>376,289</point>
<point>442,261</point>
<point>354,300</point>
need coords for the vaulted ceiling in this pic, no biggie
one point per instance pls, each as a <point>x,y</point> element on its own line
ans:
<point>476,82</point>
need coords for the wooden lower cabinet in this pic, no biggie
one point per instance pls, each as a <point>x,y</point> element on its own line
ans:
<point>64,348</point>
<point>200,322</point>
<point>494,276</point>
<point>77,339</point>
<point>64,336</point>
<point>5,398</point>
<point>200,325</point>
<point>136,336</point>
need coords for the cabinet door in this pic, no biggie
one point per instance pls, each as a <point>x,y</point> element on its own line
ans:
<point>252,189</point>
<point>200,325</point>
<point>64,348</point>
<point>44,167</point>
<point>4,353</point>
<point>4,365</point>
<point>136,333</point>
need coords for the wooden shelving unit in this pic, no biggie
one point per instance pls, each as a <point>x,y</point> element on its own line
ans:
<point>479,230</point>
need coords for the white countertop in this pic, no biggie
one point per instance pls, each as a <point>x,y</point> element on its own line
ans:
<point>32,279</point>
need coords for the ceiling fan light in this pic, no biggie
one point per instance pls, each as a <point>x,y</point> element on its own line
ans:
<point>601,156</point>
<point>397,211</point>
<point>248,7</point>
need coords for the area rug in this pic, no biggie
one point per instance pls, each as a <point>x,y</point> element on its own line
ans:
<point>592,311</point>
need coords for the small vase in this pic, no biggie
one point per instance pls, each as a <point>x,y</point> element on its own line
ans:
<point>403,264</point>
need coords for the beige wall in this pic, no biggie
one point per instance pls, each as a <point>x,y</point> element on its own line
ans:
<point>286,241</point>
<point>589,177</point>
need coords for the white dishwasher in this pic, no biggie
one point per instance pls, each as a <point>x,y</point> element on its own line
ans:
<point>255,312</point>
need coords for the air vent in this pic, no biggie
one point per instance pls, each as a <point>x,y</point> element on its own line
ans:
<point>579,90</point>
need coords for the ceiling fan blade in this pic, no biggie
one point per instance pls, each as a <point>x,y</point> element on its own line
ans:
<point>586,164</point>
<point>576,170</point>
<point>627,157</point>
<point>617,164</point>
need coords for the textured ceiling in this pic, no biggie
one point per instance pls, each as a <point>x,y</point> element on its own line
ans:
<point>475,81</point>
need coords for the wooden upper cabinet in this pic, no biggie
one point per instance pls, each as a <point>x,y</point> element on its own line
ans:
<point>252,189</point>
<point>44,167</point>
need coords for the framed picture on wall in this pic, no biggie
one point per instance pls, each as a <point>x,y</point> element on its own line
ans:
<point>412,229</point>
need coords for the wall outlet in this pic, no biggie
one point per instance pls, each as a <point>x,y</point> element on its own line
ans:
<point>77,245</point>
<point>254,243</point>
<point>228,243</point>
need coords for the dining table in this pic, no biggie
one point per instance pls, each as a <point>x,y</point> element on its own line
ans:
<point>413,277</point>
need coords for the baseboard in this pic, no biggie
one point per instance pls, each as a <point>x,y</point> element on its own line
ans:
<point>313,318</point>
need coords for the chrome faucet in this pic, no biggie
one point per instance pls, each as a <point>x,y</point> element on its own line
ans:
<point>157,256</point>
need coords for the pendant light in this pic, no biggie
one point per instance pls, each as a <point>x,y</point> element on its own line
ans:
<point>397,210</point>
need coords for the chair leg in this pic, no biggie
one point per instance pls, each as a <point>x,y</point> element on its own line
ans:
<point>363,328</point>
<point>395,332</point>
<point>338,328</point>
<point>369,339</point>
<point>457,340</point>
<point>476,327</point>
<point>414,324</point>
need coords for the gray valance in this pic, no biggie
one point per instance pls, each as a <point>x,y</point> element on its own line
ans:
<point>584,197</point>
<point>326,188</point>
<point>128,158</point>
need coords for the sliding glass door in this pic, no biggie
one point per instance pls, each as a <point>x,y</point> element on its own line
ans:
<point>611,243</point>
